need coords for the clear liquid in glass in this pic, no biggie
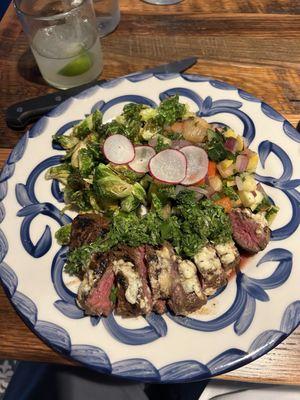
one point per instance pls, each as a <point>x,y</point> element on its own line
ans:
<point>68,54</point>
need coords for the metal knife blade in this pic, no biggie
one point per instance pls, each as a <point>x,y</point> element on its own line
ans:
<point>19,115</point>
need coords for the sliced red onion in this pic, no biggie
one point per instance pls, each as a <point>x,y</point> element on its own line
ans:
<point>198,196</point>
<point>178,144</point>
<point>200,192</point>
<point>218,127</point>
<point>231,144</point>
<point>246,152</point>
<point>179,188</point>
<point>241,163</point>
<point>210,191</point>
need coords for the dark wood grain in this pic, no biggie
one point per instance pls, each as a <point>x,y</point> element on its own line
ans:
<point>253,44</point>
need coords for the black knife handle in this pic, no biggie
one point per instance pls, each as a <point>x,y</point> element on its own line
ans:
<point>19,115</point>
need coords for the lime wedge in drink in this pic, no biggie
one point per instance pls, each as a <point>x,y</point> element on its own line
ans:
<point>78,66</point>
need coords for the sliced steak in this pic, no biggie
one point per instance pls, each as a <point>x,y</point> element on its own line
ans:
<point>94,293</point>
<point>186,295</point>
<point>228,255</point>
<point>134,295</point>
<point>160,306</point>
<point>189,279</point>
<point>250,231</point>
<point>86,228</point>
<point>210,268</point>
<point>159,271</point>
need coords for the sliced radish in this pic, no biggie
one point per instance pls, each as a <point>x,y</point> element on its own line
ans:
<point>168,166</point>
<point>197,164</point>
<point>118,149</point>
<point>142,157</point>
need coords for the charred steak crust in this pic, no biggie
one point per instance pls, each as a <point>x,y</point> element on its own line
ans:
<point>160,306</point>
<point>154,269</point>
<point>249,232</point>
<point>94,293</point>
<point>209,266</point>
<point>134,257</point>
<point>86,228</point>
<point>123,307</point>
<point>228,255</point>
<point>180,302</point>
<point>99,262</point>
<point>99,302</point>
<point>159,273</point>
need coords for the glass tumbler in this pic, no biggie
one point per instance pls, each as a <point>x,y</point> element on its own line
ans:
<point>107,15</point>
<point>64,39</point>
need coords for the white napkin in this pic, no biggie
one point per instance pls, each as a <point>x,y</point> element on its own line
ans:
<point>222,390</point>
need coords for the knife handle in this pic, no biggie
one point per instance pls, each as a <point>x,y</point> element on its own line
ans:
<point>19,115</point>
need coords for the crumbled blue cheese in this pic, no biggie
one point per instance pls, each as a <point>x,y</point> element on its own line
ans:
<point>209,266</point>
<point>133,280</point>
<point>163,252</point>
<point>189,280</point>
<point>207,260</point>
<point>187,269</point>
<point>260,219</point>
<point>163,282</point>
<point>227,252</point>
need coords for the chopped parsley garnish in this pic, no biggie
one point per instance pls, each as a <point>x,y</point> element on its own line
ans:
<point>191,228</point>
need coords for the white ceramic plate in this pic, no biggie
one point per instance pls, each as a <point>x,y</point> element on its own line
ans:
<point>258,308</point>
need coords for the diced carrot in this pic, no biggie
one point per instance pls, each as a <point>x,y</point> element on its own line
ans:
<point>224,202</point>
<point>212,169</point>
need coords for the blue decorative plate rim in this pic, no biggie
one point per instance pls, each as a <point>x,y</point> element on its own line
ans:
<point>94,357</point>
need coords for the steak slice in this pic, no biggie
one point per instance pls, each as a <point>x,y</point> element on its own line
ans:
<point>159,271</point>
<point>210,268</point>
<point>134,295</point>
<point>250,231</point>
<point>86,228</point>
<point>160,307</point>
<point>228,255</point>
<point>186,295</point>
<point>95,289</point>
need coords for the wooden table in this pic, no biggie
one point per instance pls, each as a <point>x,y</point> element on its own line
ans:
<point>252,44</point>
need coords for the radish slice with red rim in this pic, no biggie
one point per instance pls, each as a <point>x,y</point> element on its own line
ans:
<point>141,160</point>
<point>197,164</point>
<point>118,149</point>
<point>168,166</point>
